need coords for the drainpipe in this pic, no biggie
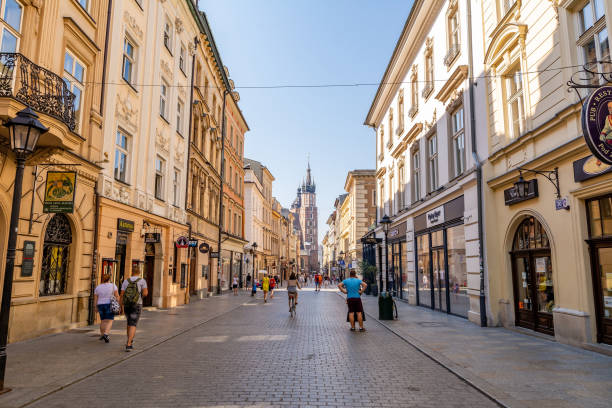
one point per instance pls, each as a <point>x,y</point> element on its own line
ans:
<point>106,36</point>
<point>483,305</point>
<point>94,261</point>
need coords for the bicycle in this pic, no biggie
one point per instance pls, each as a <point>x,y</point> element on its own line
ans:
<point>292,308</point>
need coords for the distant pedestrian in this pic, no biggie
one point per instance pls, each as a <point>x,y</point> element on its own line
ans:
<point>353,288</point>
<point>132,291</point>
<point>254,288</point>
<point>102,298</point>
<point>265,287</point>
<point>248,282</point>
<point>235,285</point>
<point>278,281</point>
<point>272,287</point>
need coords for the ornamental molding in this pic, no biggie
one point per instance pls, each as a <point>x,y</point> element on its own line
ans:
<point>452,84</point>
<point>165,67</point>
<point>429,125</point>
<point>126,112</point>
<point>179,152</point>
<point>178,24</point>
<point>161,140</point>
<point>132,24</point>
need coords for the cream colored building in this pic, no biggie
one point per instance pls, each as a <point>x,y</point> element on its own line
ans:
<point>60,43</point>
<point>427,159</point>
<point>549,270</point>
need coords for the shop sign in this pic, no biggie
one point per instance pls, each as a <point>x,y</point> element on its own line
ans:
<point>204,247</point>
<point>562,204</point>
<point>182,242</point>
<point>125,225</point>
<point>512,196</point>
<point>597,123</point>
<point>214,254</point>
<point>122,238</point>
<point>152,237</point>
<point>435,216</point>
<point>27,263</point>
<point>590,167</point>
<point>193,243</point>
<point>59,192</point>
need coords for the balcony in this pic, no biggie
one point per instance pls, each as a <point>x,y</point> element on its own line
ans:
<point>36,87</point>
<point>427,89</point>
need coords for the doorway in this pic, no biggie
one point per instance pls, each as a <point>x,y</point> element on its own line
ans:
<point>439,279</point>
<point>120,254</point>
<point>532,278</point>
<point>149,273</point>
<point>193,263</point>
<point>602,286</point>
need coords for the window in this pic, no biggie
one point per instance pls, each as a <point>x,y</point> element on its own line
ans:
<point>182,57</point>
<point>416,176</point>
<point>121,156</point>
<point>74,75</point>
<point>84,4</point>
<point>400,112</point>
<point>400,188</point>
<point>159,178</point>
<point>128,61</point>
<point>594,40</point>
<point>168,36</point>
<point>432,156</point>
<point>515,105</point>
<point>390,141</point>
<point>56,256</point>
<point>452,29</point>
<point>429,72</point>
<point>414,93</point>
<point>390,196</point>
<point>179,117</point>
<point>381,142</point>
<point>176,186</point>
<point>163,100</point>
<point>458,142</point>
<point>11,26</point>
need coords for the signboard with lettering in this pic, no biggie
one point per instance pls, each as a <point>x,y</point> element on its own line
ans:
<point>511,195</point>
<point>214,254</point>
<point>597,123</point>
<point>590,167</point>
<point>435,216</point>
<point>152,237</point>
<point>122,238</point>
<point>125,225</point>
<point>182,242</point>
<point>60,189</point>
<point>193,243</point>
<point>204,247</point>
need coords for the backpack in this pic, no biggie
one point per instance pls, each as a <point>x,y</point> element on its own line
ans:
<point>131,296</point>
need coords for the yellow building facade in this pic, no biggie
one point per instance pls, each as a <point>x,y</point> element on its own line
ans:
<point>52,52</point>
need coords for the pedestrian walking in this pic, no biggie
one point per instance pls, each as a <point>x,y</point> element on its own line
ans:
<point>132,291</point>
<point>272,287</point>
<point>265,286</point>
<point>248,282</point>
<point>103,297</point>
<point>254,288</point>
<point>235,285</point>
<point>353,288</point>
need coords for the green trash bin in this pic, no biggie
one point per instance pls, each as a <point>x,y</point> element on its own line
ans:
<point>385,306</point>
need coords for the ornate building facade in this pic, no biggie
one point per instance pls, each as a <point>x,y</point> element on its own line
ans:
<point>305,209</point>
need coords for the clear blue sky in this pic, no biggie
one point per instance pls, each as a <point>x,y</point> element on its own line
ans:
<point>307,42</point>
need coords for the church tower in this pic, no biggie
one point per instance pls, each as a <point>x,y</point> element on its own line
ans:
<point>306,221</point>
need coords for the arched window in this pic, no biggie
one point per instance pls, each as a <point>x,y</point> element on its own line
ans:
<point>56,256</point>
<point>530,235</point>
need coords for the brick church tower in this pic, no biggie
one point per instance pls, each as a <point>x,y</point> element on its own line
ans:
<point>305,210</point>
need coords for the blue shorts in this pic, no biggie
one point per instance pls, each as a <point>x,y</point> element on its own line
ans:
<point>105,312</point>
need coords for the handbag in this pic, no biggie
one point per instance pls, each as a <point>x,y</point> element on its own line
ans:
<point>114,305</point>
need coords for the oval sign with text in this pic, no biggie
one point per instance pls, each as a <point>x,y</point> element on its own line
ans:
<point>597,123</point>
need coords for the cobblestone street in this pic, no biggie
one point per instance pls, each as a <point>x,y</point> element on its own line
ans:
<point>256,355</point>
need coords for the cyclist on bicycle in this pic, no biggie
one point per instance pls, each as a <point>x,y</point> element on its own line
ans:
<point>292,286</point>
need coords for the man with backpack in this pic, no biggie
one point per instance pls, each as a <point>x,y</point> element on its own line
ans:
<point>132,291</point>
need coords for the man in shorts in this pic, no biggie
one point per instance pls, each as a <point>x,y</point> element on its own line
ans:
<point>353,288</point>
<point>132,291</point>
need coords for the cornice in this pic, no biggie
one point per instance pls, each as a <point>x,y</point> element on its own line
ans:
<point>453,82</point>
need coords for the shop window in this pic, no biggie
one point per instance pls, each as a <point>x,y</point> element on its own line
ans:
<point>424,286</point>
<point>56,256</point>
<point>457,271</point>
<point>74,76</point>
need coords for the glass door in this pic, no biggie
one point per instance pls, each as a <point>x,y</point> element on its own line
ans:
<point>522,292</point>
<point>439,279</point>
<point>602,285</point>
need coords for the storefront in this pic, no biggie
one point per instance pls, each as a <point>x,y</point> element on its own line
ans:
<point>397,260</point>
<point>440,258</point>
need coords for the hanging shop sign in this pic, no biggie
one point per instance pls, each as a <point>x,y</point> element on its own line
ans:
<point>435,216</point>
<point>182,242</point>
<point>590,167</point>
<point>214,254</point>
<point>597,123</point>
<point>512,195</point>
<point>59,192</point>
<point>397,231</point>
<point>204,247</point>
<point>193,243</point>
<point>125,225</point>
<point>152,237</point>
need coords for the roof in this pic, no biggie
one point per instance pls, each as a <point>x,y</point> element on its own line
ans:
<point>359,173</point>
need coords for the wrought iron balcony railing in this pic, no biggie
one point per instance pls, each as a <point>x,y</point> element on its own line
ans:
<point>37,87</point>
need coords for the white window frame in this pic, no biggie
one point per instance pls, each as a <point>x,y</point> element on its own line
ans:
<point>72,82</point>
<point>122,151</point>
<point>167,36</point>
<point>179,116</point>
<point>515,114</point>
<point>160,165</point>
<point>163,100</point>
<point>591,34</point>
<point>416,175</point>
<point>15,32</point>
<point>432,163</point>
<point>176,187</point>
<point>182,58</point>
<point>458,140</point>
<point>130,59</point>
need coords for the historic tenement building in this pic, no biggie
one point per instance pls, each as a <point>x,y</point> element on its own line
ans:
<point>51,51</point>
<point>306,221</point>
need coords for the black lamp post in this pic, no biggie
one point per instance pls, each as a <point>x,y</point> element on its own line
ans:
<point>24,131</point>
<point>385,224</point>
<point>254,255</point>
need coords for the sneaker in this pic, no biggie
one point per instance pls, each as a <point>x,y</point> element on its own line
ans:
<point>128,348</point>
<point>362,329</point>
<point>106,338</point>
<point>101,337</point>
<point>352,329</point>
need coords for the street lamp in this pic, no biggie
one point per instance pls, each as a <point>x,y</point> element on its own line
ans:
<point>24,131</point>
<point>254,255</point>
<point>385,224</point>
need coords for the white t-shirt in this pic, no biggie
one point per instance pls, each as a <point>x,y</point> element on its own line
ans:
<point>104,292</point>
<point>142,284</point>
<point>235,281</point>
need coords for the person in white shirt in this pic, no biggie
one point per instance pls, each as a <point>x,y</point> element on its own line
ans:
<point>235,286</point>
<point>102,298</point>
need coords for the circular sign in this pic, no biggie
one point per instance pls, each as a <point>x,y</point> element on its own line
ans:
<point>182,242</point>
<point>204,247</point>
<point>597,123</point>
